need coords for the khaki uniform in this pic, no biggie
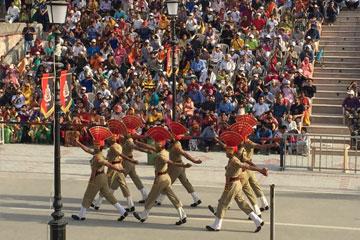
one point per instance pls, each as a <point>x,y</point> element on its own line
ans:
<point>233,189</point>
<point>129,167</point>
<point>117,179</point>
<point>248,151</point>
<point>175,154</point>
<point>98,182</point>
<point>162,182</point>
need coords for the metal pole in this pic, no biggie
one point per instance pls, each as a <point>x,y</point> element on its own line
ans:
<point>173,44</point>
<point>282,154</point>
<point>58,224</point>
<point>272,212</point>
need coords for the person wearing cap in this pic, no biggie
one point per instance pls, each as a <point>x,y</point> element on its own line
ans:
<point>291,54</point>
<point>350,105</point>
<point>209,74</point>
<point>175,154</point>
<point>217,55</point>
<point>92,48</point>
<point>259,22</point>
<point>162,181</point>
<point>98,181</point>
<point>237,43</point>
<point>228,65</point>
<point>191,24</point>
<point>272,22</point>
<point>307,52</point>
<point>233,186</point>
<point>116,158</point>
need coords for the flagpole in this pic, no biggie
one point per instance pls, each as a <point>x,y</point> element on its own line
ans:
<point>173,46</point>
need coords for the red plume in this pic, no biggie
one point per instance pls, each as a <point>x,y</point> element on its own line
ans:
<point>177,128</point>
<point>158,134</point>
<point>100,133</point>
<point>117,127</point>
<point>248,119</point>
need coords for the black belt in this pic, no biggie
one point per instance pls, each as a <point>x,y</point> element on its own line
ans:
<point>99,172</point>
<point>232,179</point>
<point>161,173</point>
<point>115,162</point>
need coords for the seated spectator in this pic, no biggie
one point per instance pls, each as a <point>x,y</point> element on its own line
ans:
<point>207,136</point>
<point>225,106</point>
<point>264,132</point>
<point>350,105</point>
<point>307,68</point>
<point>332,12</point>
<point>260,107</point>
<point>303,143</point>
<point>297,110</point>
<point>13,13</point>
<point>279,109</point>
<point>352,4</point>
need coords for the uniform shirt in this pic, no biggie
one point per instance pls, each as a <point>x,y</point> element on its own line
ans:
<point>128,147</point>
<point>176,151</point>
<point>246,151</point>
<point>233,168</point>
<point>160,161</point>
<point>113,155</point>
<point>97,162</point>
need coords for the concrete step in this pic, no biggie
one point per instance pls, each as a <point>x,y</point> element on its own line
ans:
<point>339,38</point>
<point>338,64</point>
<point>326,41</point>
<point>339,47</point>
<point>326,109</point>
<point>341,27</point>
<point>331,86</point>
<point>336,129</point>
<point>333,139</point>
<point>335,80</point>
<point>331,94</point>
<point>341,54</point>
<point>331,101</point>
<point>323,74</point>
<point>343,59</point>
<point>326,119</point>
<point>342,33</point>
<point>339,69</point>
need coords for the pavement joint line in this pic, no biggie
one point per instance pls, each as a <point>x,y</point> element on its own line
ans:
<point>205,219</point>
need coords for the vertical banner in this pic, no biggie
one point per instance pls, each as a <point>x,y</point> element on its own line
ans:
<point>65,91</point>
<point>169,62</point>
<point>176,58</point>
<point>47,103</point>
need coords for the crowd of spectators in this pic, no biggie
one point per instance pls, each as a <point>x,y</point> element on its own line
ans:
<point>235,57</point>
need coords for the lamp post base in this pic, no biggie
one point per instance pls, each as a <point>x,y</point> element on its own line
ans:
<point>57,229</point>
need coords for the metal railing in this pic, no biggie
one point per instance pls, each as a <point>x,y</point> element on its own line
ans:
<point>2,131</point>
<point>318,152</point>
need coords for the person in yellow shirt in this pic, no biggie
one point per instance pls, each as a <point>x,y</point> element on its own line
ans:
<point>237,43</point>
<point>155,116</point>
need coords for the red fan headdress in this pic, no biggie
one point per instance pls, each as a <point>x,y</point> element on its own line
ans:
<point>248,119</point>
<point>117,127</point>
<point>132,123</point>
<point>99,135</point>
<point>232,140</point>
<point>159,134</point>
<point>243,128</point>
<point>177,129</point>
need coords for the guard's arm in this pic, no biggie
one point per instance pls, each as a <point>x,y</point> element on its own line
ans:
<point>144,145</point>
<point>109,165</point>
<point>177,164</point>
<point>129,159</point>
<point>85,148</point>
<point>187,156</point>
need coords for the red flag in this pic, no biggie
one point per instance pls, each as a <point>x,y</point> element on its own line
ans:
<point>47,103</point>
<point>65,91</point>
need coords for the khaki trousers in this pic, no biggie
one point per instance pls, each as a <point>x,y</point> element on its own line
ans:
<point>254,184</point>
<point>179,173</point>
<point>118,180</point>
<point>247,188</point>
<point>100,183</point>
<point>232,191</point>
<point>131,171</point>
<point>162,184</point>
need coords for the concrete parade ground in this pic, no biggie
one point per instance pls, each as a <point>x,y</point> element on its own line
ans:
<point>309,205</point>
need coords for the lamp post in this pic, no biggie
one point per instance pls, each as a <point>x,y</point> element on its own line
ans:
<point>57,15</point>
<point>172,9</point>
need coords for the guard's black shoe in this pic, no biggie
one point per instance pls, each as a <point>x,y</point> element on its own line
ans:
<point>211,209</point>
<point>137,216</point>
<point>122,217</point>
<point>130,209</point>
<point>77,218</point>
<point>195,204</point>
<point>264,209</point>
<point>157,203</point>
<point>142,201</point>
<point>259,227</point>
<point>182,221</point>
<point>93,206</point>
<point>211,229</point>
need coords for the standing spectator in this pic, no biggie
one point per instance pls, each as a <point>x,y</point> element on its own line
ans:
<point>28,33</point>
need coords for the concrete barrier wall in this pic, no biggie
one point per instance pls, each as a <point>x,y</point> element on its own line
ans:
<point>12,40</point>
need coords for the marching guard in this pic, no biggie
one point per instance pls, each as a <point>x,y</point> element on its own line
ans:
<point>175,153</point>
<point>162,181</point>
<point>233,186</point>
<point>115,157</point>
<point>98,180</point>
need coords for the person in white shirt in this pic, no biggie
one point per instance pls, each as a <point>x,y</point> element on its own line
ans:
<point>260,107</point>
<point>138,22</point>
<point>191,24</point>
<point>208,74</point>
<point>217,5</point>
<point>234,56</point>
<point>77,48</point>
<point>72,19</point>
<point>12,13</point>
<point>272,22</point>
<point>18,100</point>
<point>228,65</point>
<point>217,55</point>
<point>79,3</point>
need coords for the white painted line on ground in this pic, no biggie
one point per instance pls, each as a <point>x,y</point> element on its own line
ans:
<point>197,219</point>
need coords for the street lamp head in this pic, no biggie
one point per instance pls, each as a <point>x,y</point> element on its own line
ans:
<point>172,7</point>
<point>57,11</point>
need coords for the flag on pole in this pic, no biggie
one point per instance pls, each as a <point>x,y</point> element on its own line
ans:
<point>65,91</point>
<point>47,103</point>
